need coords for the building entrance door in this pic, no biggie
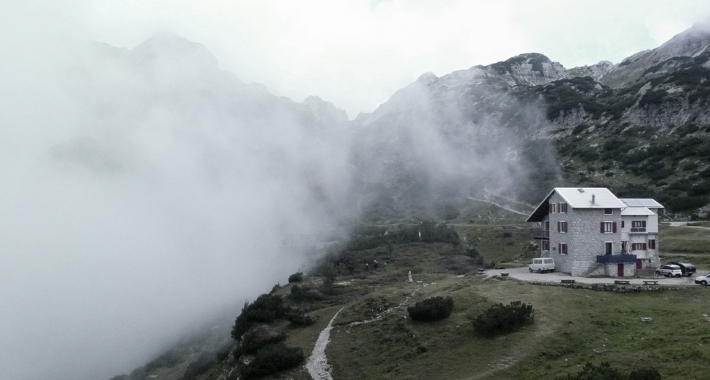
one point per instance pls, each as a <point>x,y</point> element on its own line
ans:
<point>608,246</point>
<point>620,270</point>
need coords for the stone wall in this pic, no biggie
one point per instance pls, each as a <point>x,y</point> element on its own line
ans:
<point>584,239</point>
<point>612,269</point>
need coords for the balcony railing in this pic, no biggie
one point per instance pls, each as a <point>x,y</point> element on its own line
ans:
<point>617,258</point>
<point>638,229</point>
<point>540,234</point>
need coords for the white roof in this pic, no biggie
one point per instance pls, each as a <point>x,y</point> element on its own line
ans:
<point>636,211</point>
<point>641,202</point>
<point>581,197</point>
<point>578,197</point>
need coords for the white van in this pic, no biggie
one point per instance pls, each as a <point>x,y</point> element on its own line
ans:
<point>542,264</point>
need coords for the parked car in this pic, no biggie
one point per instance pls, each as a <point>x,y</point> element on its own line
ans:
<point>703,280</point>
<point>688,269</point>
<point>542,264</point>
<point>671,270</point>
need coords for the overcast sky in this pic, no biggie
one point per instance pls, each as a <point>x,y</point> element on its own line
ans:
<point>356,53</point>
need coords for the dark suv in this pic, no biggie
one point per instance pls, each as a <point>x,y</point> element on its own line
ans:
<point>688,269</point>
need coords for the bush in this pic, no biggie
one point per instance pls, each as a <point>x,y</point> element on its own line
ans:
<point>605,371</point>
<point>260,337</point>
<point>645,374</point>
<point>305,293</point>
<point>296,277</point>
<point>431,309</point>
<point>501,319</point>
<point>266,308</point>
<point>272,359</point>
<point>298,317</point>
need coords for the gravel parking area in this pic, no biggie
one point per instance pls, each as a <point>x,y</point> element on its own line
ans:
<point>524,274</point>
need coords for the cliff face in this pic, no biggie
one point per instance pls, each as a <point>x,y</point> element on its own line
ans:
<point>657,101</point>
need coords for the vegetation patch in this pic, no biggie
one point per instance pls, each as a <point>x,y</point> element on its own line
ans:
<point>296,277</point>
<point>266,308</point>
<point>431,309</point>
<point>272,359</point>
<point>605,371</point>
<point>501,319</point>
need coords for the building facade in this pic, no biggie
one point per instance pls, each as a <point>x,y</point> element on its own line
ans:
<point>591,232</point>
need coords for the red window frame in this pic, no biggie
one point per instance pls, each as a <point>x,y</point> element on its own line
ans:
<point>562,248</point>
<point>562,227</point>
<point>607,227</point>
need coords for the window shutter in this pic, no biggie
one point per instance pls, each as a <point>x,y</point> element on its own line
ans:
<point>643,224</point>
<point>622,224</point>
<point>558,227</point>
<point>614,227</point>
<point>565,225</point>
<point>601,227</point>
<point>644,246</point>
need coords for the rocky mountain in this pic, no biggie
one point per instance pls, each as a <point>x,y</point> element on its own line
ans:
<point>639,127</point>
<point>512,129</point>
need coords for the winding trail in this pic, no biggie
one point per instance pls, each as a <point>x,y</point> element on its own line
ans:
<point>387,312</point>
<point>317,364</point>
<point>497,204</point>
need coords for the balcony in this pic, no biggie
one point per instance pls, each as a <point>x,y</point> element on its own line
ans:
<point>616,258</point>
<point>540,234</point>
<point>638,229</point>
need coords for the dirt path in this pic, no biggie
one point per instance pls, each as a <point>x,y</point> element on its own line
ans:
<point>525,275</point>
<point>499,205</point>
<point>317,364</point>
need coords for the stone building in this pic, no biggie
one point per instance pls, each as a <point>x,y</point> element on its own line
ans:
<point>591,232</point>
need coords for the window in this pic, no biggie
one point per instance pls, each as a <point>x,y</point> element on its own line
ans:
<point>563,207</point>
<point>638,246</point>
<point>547,226</point>
<point>563,248</point>
<point>622,224</point>
<point>545,245</point>
<point>608,211</point>
<point>638,226</point>
<point>553,208</point>
<point>607,227</point>
<point>562,227</point>
<point>652,243</point>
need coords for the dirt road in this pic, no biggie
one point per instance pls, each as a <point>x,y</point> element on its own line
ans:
<point>525,275</point>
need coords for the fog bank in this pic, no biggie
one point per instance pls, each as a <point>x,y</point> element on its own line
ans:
<point>143,191</point>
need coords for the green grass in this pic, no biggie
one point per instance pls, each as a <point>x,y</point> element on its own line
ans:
<point>685,243</point>
<point>569,325</point>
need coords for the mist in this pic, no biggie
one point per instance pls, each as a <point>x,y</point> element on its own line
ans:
<point>146,191</point>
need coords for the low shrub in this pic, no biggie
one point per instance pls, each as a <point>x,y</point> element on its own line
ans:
<point>300,318</point>
<point>501,319</point>
<point>296,277</point>
<point>260,337</point>
<point>266,308</point>
<point>305,293</point>
<point>272,359</point>
<point>431,309</point>
<point>605,371</point>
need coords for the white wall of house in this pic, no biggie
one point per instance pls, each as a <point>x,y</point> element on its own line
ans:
<point>638,236</point>
<point>583,238</point>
